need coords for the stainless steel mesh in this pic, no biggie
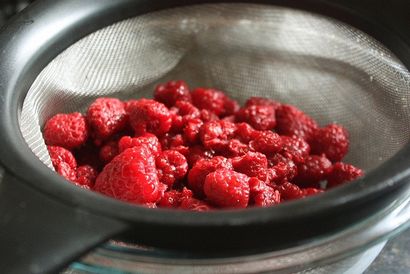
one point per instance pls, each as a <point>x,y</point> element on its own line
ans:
<point>330,70</point>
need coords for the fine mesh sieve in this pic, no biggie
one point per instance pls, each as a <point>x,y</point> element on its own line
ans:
<point>328,69</point>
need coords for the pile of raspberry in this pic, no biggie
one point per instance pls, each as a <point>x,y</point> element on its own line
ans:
<point>198,150</point>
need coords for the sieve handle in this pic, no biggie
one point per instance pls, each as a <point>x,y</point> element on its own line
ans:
<point>40,235</point>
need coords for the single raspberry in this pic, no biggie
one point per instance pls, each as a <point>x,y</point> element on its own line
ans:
<point>215,135</point>
<point>289,191</point>
<point>147,115</point>
<point>230,106</point>
<point>60,154</point>
<point>227,188</point>
<point>235,148</point>
<point>261,194</point>
<point>282,168</point>
<point>311,191</point>
<point>259,117</point>
<point>209,99</point>
<point>186,109</point>
<point>105,117</point>
<point>171,92</point>
<point>194,205</point>
<point>332,140</point>
<point>252,164</point>
<point>131,176</point>
<point>266,142</point>
<point>86,176</point>
<point>342,173</point>
<point>292,121</point>
<point>197,153</point>
<point>191,130</point>
<point>108,151</point>
<point>173,198</point>
<point>149,140</point>
<point>65,170</point>
<point>312,171</point>
<point>245,132</point>
<point>171,141</point>
<point>171,166</point>
<point>208,116</point>
<point>66,130</point>
<point>295,148</point>
<point>198,173</point>
<point>259,101</point>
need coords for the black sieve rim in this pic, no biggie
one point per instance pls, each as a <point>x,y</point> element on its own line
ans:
<point>22,61</point>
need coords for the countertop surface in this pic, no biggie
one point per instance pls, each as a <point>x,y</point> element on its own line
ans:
<point>394,258</point>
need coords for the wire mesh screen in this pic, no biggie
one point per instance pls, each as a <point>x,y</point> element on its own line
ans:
<point>328,69</point>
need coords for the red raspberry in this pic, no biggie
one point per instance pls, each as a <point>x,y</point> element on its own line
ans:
<point>343,173</point>
<point>196,176</point>
<point>194,205</point>
<point>261,194</point>
<point>259,117</point>
<point>311,191</point>
<point>292,121</point>
<point>216,134</point>
<point>197,153</point>
<point>86,176</point>
<point>66,130</point>
<point>186,109</point>
<point>253,164</point>
<point>60,154</point>
<point>65,170</point>
<point>283,168</point>
<point>147,115</point>
<point>245,132</point>
<point>131,176</point>
<point>332,140</point>
<point>227,188</point>
<point>171,141</point>
<point>236,148</point>
<point>231,106</point>
<point>208,116</point>
<point>259,101</point>
<point>106,116</point>
<point>149,140</point>
<point>295,148</point>
<point>191,130</point>
<point>173,198</point>
<point>315,169</point>
<point>210,99</point>
<point>289,191</point>
<point>109,151</point>
<point>266,142</point>
<point>171,92</point>
<point>171,166</point>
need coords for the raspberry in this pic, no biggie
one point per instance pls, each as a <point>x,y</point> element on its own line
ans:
<point>147,115</point>
<point>197,153</point>
<point>311,191</point>
<point>245,132</point>
<point>106,116</point>
<point>196,176</point>
<point>259,101</point>
<point>66,130</point>
<point>216,134</point>
<point>65,170</point>
<point>186,109</point>
<point>227,188</point>
<point>149,140</point>
<point>231,106</point>
<point>236,148</point>
<point>343,173</point>
<point>295,148</point>
<point>283,168</point>
<point>314,170</point>
<point>191,130</point>
<point>173,198</point>
<point>332,140</point>
<point>259,117</point>
<point>208,116</point>
<point>86,176</point>
<point>261,194</point>
<point>171,92</point>
<point>292,121</point>
<point>171,141</point>
<point>131,176</point>
<point>289,191</point>
<point>194,205</point>
<point>266,142</point>
<point>253,164</point>
<point>212,100</point>
<point>171,166</point>
<point>60,154</point>
<point>108,151</point>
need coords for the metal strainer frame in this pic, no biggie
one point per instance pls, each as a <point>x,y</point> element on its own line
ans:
<point>46,222</point>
